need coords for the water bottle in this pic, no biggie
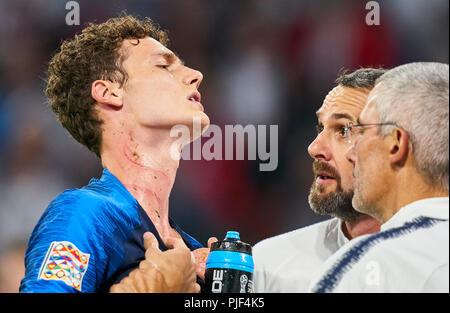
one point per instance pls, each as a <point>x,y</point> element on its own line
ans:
<point>229,267</point>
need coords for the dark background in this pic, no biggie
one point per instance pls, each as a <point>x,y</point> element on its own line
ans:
<point>265,62</point>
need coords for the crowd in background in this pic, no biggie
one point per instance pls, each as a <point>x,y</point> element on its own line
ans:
<point>265,62</point>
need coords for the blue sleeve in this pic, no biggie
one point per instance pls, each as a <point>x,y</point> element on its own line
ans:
<point>66,251</point>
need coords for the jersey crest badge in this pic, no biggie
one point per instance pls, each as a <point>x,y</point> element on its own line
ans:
<point>65,262</point>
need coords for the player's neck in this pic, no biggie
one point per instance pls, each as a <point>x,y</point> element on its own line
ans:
<point>145,167</point>
<point>363,225</point>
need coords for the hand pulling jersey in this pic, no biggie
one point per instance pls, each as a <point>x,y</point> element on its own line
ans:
<point>89,239</point>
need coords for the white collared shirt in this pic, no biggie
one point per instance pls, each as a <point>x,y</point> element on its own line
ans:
<point>409,254</point>
<point>287,262</point>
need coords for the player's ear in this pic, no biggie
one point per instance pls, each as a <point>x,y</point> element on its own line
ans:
<point>107,93</point>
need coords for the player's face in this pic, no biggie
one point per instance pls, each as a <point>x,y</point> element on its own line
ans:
<point>161,91</point>
<point>333,179</point>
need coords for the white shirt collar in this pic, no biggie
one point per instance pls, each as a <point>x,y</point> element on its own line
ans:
<point>431,207</point>
<point>341,239</point>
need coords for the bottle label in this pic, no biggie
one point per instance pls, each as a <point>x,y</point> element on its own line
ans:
<point>227,280</point>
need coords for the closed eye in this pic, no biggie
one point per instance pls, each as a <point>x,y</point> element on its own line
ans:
<point>164,66</point>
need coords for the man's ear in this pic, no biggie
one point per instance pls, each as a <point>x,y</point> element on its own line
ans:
<point>399,149</point>
<point>107,93</point>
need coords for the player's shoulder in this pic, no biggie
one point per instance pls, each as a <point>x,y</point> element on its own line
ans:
<point>94,197</point>
<point>298,237</point>
<point>71,207</point>
<point>94,207</point>
<point>89,203</point>
<point>72,200</point>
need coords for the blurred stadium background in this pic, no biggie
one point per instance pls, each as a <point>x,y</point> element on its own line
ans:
<point>264,62</point>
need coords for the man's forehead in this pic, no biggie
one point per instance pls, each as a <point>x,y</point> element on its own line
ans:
<point>343,102</point>
<point>145,47</point>
<point>144,43</point>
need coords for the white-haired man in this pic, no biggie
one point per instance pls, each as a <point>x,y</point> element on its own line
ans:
<point>400,149</point>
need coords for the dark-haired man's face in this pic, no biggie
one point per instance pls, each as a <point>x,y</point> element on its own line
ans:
<point>332,190</point>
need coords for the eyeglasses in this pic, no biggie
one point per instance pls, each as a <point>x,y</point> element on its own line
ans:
<point>351,129</point>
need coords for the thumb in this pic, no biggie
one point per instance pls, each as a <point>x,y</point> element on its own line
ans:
<point>211,241</point>
<point>174,243</point>
<point>150,241</point>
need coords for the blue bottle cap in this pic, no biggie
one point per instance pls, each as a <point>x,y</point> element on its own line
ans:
<point>232,235</point>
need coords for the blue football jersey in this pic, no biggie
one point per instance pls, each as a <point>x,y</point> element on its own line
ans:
<point>89,238</point>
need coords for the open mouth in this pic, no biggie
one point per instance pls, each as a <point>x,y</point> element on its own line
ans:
<point>324,173</point>
<point>325,176</point>
<point>196,98</point>
<point>322,177</point>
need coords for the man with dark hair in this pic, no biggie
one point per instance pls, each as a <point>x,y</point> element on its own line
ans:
<point>287,262</point>
<point>118,90</point>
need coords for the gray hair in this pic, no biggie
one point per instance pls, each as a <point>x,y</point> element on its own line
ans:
<point>415,96</point>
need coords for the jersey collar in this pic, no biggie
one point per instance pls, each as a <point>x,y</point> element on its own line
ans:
<point>431,207</point>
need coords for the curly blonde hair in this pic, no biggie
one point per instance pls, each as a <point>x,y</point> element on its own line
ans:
<point>94,54</point>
